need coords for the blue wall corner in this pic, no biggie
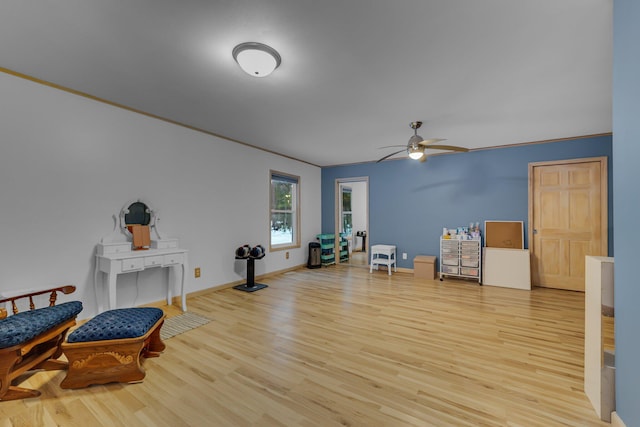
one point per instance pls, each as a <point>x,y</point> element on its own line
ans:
<point>626,151</point>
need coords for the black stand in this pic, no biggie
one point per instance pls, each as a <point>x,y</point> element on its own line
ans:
<point>363,234</point>
<point>251,285</point>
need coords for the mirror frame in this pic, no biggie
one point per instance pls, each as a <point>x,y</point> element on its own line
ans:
<point>125,211</point>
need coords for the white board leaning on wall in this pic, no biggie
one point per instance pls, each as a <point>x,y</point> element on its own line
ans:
<point>505,261</point>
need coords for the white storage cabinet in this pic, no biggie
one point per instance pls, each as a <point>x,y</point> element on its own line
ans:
<point>461,258</point>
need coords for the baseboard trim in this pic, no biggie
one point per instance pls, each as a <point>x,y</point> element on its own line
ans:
<point>616,421</point>
<point>176,299</point>
<point>385,269</point>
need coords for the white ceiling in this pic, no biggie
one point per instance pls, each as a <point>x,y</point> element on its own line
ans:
<point>354,73</point>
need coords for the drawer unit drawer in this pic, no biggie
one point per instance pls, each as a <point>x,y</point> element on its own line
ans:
<point>450,259</point>
<point>153,260</point>
<point>466,271</point>
<point>133,264</point>
<point>446,269</point>
<point>469,262</point>
<point>173,259</point>
<point>470,244</point>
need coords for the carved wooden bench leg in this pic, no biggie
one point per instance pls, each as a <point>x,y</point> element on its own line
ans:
<point>106,361</point>
<point>154,345</point>
<point>39,353</point>
<point>8,361</point>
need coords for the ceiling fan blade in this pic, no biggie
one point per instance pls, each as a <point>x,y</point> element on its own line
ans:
<point>389,155</point>
<point>430,141</point>
<point>423,158</point>
<point>447,147</point>
<point>392,146</point>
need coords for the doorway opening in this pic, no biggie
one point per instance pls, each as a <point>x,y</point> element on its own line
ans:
<point>352,220</point>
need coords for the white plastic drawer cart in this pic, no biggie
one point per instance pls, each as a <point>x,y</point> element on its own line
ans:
<point>461,258</point>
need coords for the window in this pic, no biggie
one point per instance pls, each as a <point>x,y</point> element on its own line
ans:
<point>347,217</point>
<point>284,211</point>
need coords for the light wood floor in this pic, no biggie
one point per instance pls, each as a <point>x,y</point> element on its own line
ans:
<point>338,346</point>
<point>359,258</point>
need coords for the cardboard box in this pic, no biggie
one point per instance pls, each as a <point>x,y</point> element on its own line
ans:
<point>424,267</point>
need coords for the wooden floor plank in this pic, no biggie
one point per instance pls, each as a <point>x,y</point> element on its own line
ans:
<point>339,346</point>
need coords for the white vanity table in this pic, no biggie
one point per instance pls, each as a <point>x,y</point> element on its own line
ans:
<point>114,256</point>
<point>114,264</point>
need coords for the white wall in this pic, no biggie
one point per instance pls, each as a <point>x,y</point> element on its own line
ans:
<point>68,163</point>
<point>359,205</point>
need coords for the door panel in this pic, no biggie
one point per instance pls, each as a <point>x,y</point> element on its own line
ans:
<point>577,251</point>
<point>551,211</point>
<point>567,219</point>
<point>549,257</point>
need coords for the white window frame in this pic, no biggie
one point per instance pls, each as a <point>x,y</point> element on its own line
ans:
<point>295,210</point>
<point>345,189</point>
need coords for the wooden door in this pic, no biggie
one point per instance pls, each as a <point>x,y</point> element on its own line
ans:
<point>567,219</point>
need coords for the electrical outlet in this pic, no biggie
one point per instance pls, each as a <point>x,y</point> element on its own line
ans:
<point>197,272</point>
<point>404,255</point>
<point>286,255</point>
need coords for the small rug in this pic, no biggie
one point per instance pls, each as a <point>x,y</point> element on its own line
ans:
<point>181,323</point>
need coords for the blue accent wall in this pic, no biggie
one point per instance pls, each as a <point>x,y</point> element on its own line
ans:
<point>626,128</point>
<point>410,202</point>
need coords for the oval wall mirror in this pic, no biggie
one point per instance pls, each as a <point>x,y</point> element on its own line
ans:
<point>136,212</point>
<point>139,213</point>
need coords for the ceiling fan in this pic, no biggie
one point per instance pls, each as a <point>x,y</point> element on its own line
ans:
<point>417,145</point>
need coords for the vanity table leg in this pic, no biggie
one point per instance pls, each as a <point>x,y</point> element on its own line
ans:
<point>170,275</point>
<point>172,280</point>
<point>111,289</point>
<point>185,269</point>
<point>99,287</point>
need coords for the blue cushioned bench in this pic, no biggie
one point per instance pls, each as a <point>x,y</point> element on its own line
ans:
<point>110,347</point>
<point>31,340</point>
<point>23,327</point>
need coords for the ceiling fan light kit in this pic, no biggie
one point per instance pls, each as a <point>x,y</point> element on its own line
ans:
<point>415,151</point>
<point>417,146</point>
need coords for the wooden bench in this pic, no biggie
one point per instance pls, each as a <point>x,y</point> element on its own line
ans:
<point>31,340</point>
<point>111,347</point>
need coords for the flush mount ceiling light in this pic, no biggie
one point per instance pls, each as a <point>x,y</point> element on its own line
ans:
<point>256,59</point>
